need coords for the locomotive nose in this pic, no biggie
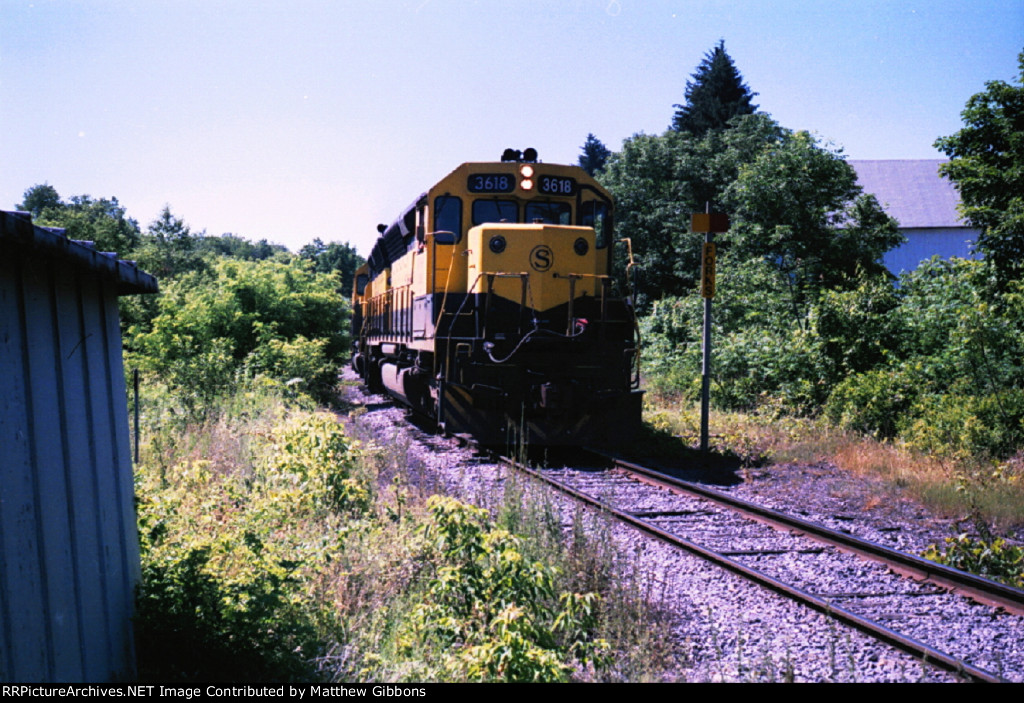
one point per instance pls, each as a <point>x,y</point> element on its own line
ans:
<point>553,260</point>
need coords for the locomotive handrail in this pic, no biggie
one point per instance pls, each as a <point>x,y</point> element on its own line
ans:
<point>636,323</point>
<point>606,282</point>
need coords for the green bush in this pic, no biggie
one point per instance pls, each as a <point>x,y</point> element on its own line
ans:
<point>965,426</point>
<point>234,543</point>
<point>671,351</point>
<point>492,615</point>
<point>986,556</point>
<point>960,331</point>
<point>243,317</point>
<point>759,367</point>
<point>304,363</point>
<point>857,328</point>
<point>191,625</point>
<point>312,454</point>
<point>873,402</point>
<point>763,354</point>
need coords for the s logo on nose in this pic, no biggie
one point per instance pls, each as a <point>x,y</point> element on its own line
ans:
<point>541,257</point>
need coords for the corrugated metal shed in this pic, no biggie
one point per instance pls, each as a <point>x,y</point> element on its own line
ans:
<point>69,557</point>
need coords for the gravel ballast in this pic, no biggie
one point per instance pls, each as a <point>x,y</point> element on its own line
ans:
<point>723,627</point>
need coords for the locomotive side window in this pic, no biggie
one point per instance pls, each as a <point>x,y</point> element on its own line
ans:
<point>448,216</point>
<point>549,213</point>
<point>594,213</point>
<point>495,211</point>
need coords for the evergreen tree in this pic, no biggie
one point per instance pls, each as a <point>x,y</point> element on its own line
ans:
<point>595,155</point>
<point>714,96</point>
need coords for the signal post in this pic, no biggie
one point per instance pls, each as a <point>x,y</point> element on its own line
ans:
<point>709,223</point>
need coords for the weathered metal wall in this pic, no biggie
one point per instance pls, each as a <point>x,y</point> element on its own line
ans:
<point>68,541</point>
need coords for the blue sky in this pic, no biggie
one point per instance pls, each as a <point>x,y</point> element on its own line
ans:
<point>314,118</point>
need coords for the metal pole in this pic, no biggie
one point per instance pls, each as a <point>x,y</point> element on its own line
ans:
<point>135,383</point>
<point>705,378</point>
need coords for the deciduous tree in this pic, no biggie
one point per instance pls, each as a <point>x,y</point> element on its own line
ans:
<point>326,258</point>
<point>798,205</point>
<point>169,248</point>
<point>280,319</point>
<point>793,202</point>
<point>987,165</point>
<point>103,222</point>
<point>40,197</point>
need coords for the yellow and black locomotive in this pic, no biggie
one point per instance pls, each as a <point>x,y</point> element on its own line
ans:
<point>489,306</point>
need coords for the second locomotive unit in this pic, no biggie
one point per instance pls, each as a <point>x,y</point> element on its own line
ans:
<point>489,306</point>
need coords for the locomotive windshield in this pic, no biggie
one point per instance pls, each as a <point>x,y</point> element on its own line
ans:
<point>495,197</point>
<point>549,213</point>
<point>495,211</point>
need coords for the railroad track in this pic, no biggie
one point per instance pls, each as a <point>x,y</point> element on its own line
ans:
<point>731,631</point>
<point>909,603</point>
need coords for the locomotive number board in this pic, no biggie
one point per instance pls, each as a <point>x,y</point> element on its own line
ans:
<point>556,185</point>
<point>491,183</point>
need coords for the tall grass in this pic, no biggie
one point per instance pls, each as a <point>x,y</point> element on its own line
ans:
<point>955,487</point>
<point>241,516</point>
<point>276,547</point>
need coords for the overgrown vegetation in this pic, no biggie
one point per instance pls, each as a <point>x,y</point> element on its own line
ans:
<point>244,318</point>
<point>241,516</point>
<point>818,351</point>
<point>935,363</point>
<point>275,548</point>
<point>490,614</point>
<point>985,555</point>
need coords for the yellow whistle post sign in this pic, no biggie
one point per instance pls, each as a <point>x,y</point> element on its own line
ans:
<point>709,222</point>
<point>707,271</point>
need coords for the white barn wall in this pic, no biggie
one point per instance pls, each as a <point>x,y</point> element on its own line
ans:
<point>924,203</point>
<point>923,244</point>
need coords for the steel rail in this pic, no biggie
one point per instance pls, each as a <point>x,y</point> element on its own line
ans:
<point>911,646</point>
<point>975,587</point>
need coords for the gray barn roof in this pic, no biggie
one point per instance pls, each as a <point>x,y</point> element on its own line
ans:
<point>912,191</point>
<point>17,230</point>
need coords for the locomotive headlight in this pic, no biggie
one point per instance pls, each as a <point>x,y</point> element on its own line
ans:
<point>527,171</point>
<point>580,246</point>
<point>497,244</point>
<point>526,184</point>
